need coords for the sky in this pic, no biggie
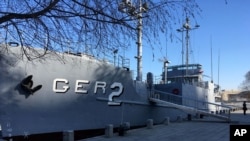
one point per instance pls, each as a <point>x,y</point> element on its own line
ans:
<point>224,27</point>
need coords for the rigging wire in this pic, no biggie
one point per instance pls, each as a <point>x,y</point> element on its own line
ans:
<point>211,46</point>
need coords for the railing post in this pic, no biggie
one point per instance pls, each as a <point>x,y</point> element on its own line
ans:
<point>229,115</point>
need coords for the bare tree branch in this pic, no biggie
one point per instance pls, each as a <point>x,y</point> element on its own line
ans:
<point>11,16</point>
<point>81,25</point>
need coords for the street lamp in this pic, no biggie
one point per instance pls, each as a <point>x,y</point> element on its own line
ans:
<point>126,6</point>
<point>186,27</point>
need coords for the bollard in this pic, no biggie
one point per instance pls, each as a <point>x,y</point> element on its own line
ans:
<point>189,117</point>
<point>109,131</point>
<point>150,123</point>
<point>227,111</point>
<point>201,116</point>
<point>68,135</point>
<point>197,115</point>
<point>127,125</point>
<point>122,130</point>
<point>166,121</point>
<point>179,119</point>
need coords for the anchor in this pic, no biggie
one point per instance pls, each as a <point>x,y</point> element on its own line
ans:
<point>26,85</point>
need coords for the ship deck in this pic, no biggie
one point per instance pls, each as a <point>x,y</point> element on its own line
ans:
<point>205,129</point>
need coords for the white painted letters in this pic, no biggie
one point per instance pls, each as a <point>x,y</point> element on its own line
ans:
<point>117,93</point>
<point>61,85</point>
<point>64,88</point>
<point>79,86</point>
<point>100,84</point>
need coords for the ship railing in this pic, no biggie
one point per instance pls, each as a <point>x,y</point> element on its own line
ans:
<point>123,62</point>
<point>113,60</point>
<point>202,84</point>
<point>213,108</point>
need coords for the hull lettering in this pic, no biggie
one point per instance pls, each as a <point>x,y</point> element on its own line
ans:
<point>61,85</point>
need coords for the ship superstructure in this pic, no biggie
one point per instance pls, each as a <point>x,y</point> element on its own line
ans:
<point>186,81</point>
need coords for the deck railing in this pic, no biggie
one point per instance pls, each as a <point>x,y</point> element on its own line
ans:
<point>192,103</point>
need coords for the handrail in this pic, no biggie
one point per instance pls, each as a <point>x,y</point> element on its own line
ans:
<point>175,99</point>
<point>190,109</point>
<point>192,99</point>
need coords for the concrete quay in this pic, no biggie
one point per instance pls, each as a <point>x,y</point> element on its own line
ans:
<point>206,129</point>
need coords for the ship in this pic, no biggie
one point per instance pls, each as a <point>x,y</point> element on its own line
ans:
<point>65,91</point>
<point>68,91</point>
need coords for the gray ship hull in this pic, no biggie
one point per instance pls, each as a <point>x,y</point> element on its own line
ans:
<point>67,92</point>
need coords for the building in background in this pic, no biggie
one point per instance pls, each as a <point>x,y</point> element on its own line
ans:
<point>235,96</point>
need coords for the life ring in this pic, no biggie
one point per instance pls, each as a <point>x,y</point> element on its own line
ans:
<point>175,91</point>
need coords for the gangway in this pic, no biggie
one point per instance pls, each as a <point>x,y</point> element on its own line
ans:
<point>191,110</point>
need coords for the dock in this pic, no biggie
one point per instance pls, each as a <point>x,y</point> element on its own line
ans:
<point>206,129</point>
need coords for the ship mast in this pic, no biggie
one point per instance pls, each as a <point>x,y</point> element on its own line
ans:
<point>186,27</point>
<point>139,44</point>
<point>126,6</point>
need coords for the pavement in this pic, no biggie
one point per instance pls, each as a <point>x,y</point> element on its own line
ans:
<point>206,129</point>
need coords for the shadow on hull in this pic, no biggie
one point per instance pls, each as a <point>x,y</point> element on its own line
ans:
<point>58,136</point>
